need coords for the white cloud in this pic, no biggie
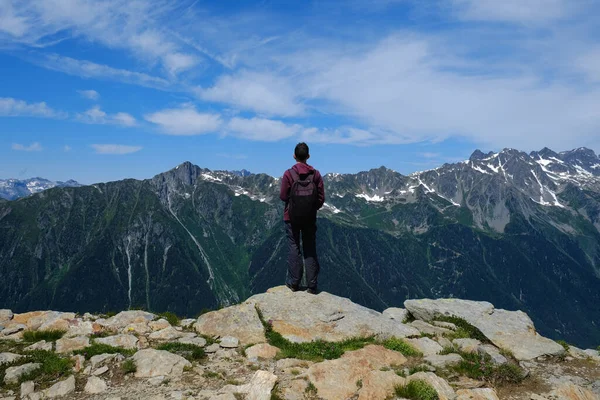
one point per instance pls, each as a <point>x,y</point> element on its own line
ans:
<point>95,115</point>
<point>177,62</point>
<point>67,148</point>
<point>36,146</point>
<point>115,149</point>
<point>260,92</point>
<point>521,11</point>
<point>185,121</point>
<point>261,129</point>
<point>589,64</point>
<point>11,23</point>
<point>10,107</point>
<point>89,94</point>
<point>92,70</point>
<point>345,135</point>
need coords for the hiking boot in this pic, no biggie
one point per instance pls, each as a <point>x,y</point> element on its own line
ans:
<point>312,291</point>
<point>293,288</point>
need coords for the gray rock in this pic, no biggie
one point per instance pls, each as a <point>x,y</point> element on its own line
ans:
<point>168,334</point>
<point>68,345</point>
<point>301,317</point>
<point>467,345</point>
<point>213,348</point>
<point>187,323</point>
<point>425,345</point>
<point>442,361</point>
<point>1,328</point>
<point>229,342</point>
<point>6,358</point>
<point>197,341</point>
<point>6,315</point>
<point>442,324</point>
<point>259,387</point>
<point>125,341</point>
<point>124,318</point>
<point>151,363</point>
<point>444,342</point>
<point>240,321</point>
<point>395,313</point>
<point>429,329</point>
<point>13,374</point>
<point>12,329</point>
<point>27,388</point>
<point>444,390</point>
<point>41,345</point>
<point>100,371</point>
<point>509,330</point>
<point>103,359</point>
<point>95,385</point>
<point>62,388</point>
<point>493,352</point>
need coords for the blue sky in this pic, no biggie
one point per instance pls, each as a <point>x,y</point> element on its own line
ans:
<point>110,89</point>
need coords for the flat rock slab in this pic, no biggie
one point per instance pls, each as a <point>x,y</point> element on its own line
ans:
<point>395,313</point>
<point>41,345</point>
<point>6,358</point>
<point>477,394</point>
<point>429,329</point>
<point>125,341</point>
<point>509,330</point>
<point>441,361</point>
<point>61,389</point>
<point>168,334</point>
<point>196,341</point>
<point>379,385</point>
<point>151,363</point>
<point>240,321</point>
<point>68,345</point>
<point>443,389</point>
<point>259,387</point>
<point>467,345</point>
<point>425,345</point>
<point>572,392</point>
<point>262,350</point>
<point>301,317</point>
<point>229,342</point>
<point>124,318</point>
<point>13,374</point>
<point>336,379</point>
<point>95,385</point>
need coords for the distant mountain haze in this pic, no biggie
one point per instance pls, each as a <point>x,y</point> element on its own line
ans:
<point>519,230</point>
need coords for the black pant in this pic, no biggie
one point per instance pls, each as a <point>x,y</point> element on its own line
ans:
<point>309,247</point>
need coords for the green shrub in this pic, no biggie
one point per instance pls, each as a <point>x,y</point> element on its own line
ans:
<point>48,336</point>
<point>190,352</point>
<point>418,368</point>
<point>170,317</point>
<point>311,389</point>
<point>464,329</point>
<point>564,344</point>
<point>53,367</point>
<point>417,390</point>
<point>401,346</point>
<point>481,367</point>
<point>128,366</point>
<point>99,348</point>
<point>447,350</point>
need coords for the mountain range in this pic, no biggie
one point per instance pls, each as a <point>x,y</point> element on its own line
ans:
<point>519,230</point>
<point>12,189</point>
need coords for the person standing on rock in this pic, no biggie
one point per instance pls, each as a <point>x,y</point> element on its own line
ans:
<point>303,192</point>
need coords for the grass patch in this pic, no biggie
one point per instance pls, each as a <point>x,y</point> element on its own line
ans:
<point>170,317</point>
<point>48,336</point>
<point>211,374</point>
<point>311,389</point>
<point>128,367</point>
<point>464,329</point>
<point>100,348</point>
<point>190,352</point>
<point>52,367</point>
<point>481,367</point>
<point>418,368</point>
<point>447,350</point>
<point>564,344</point>
<point>318,350</point>
<point>417,390</point>
<point>401,346</point>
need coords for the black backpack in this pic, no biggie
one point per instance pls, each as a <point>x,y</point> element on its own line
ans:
<point>303,197</point>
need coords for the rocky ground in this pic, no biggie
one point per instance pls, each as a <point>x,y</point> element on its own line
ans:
<point>285,345</point>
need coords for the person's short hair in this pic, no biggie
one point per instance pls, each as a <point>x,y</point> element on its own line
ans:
<point>301,151</point>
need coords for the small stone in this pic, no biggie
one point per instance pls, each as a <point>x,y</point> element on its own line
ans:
<point>395,313</point>
<point>229,342</point>
<point>6,358</point>
<point>27,388</point>
<point>13,374</point>
<point>493,352</point>
<point>196,341</point>
<point>62,388</point>
<point>41,345</point>
<point>442,361</point>
<point>425,345</point>
<point>95,385</point>
<point>467,345</point>
<point>262,350</point>
<point>102,359</point>
<point>212,348</point>
<point>157,380</point>
<point>78,362</point>
<point>68,345</point>
<point>187,323</point>
<point>100,371</point>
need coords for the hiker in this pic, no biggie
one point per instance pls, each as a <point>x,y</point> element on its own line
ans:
<point>303,193</point>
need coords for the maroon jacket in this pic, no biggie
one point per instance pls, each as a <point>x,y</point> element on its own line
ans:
<point>286,186</point>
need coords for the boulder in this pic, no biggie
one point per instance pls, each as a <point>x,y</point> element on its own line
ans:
<point>44,320</point>
<point>467,345</point>
<point>141,328</point>
<point>61,389</point>
<point>336,379</point>
<point>425,345</point>
<point>379,385</point>
<point>493,352</point>
<point>429,329</point>
<point>27,388</point>
<point>229,342</point>
<point>213,348</point>
<point>125,341</point>
<point>5,315</point>
<point>100,371</point>
<point>442,361</point>
<point>151,363</point>
<point>262,350</point>
<point>477,394</point>
<point>443,389</point>
<point>302,317</point>
<point>13,374</point>
<point>259,387</point>
<point>395,313</point>
<point>240,321</point>
<point>78,361</point>
<point>95,385</point>
<point>569,391</point>
<point>6,358</point>
<point>509,330</point>
<point>168,334</point>
<point>124,318</point>
<point>447,325</point>
<point>82,328</point>
<point>12,329</point>
<point>197,341</point>
<point>41,345</point>
<point>103,359</point>
<point>159,325</point>
<point>68,345</point>
<point>187,323</point>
